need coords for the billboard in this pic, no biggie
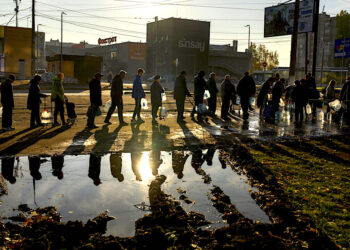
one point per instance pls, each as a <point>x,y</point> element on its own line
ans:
<point>279,20</point>
<point>342,48</point>
<point>137,51</point>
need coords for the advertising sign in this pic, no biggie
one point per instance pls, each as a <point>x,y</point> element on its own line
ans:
<point>342,48</point>
<point>2,65</point>
<point>279,20</point>
<point>137,51</point>
<point>107,40</point>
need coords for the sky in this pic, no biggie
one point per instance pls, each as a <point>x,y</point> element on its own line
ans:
<point>90,20</point>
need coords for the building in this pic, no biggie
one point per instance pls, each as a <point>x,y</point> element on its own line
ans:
<point>79,69</point>
<point>16,51</point>
<point>176,44</point>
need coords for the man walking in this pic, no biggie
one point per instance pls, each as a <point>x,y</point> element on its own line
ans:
<point>199,89</point>
<point>7,103</point>
<point>227,93</point>
<point>213,90</point>
<point>95,100</point>
<point>117,98</point>
<point>344,97</point>
<point>180,93</point>
<point>246,89</point>
<point>33,102</point>
<point>138,93</point>
<point>277,92</point>
<point>156,96</point>
<point>57,96</point>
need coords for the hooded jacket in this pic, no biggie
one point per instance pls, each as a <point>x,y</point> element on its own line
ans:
<point>57,90</point>
<point>137,89</point>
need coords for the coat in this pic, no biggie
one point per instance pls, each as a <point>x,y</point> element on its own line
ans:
<point>199,89</point>
<point>57,90</point>
<point>180,89</point>
<point>330,94</point>
<point>228,90</point>
<point>137,89</point>
<point>156,93</point>
<point>95,92</point>
<point>299,95</point>
<point>7,94</point>
<point>277,91</point>
<point>117,90</point>
<point>246,87</point>
<point>34,95</point>
<point>345,92</point>
<point>262,94</point>
<point>211,86</point>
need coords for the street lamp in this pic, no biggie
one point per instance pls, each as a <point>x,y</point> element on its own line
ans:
<point>62,13</point>
<point>248,36</point>
<point>37,45</point>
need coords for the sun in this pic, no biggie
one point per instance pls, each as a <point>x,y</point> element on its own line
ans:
<point>144,167</point>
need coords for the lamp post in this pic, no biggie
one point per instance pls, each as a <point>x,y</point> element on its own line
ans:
<point>37,45</point>
<point>62,13</point>
<point>248,36</point>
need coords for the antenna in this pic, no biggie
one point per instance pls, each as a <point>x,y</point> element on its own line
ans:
<point>323,8</point>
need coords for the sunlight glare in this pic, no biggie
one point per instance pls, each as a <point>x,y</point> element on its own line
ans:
<point>144,167</point>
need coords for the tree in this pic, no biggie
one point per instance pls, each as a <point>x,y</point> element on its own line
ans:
<point>343,31</point>
<point>261,54</point>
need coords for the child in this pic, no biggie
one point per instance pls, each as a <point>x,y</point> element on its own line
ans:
<point>156,96</point>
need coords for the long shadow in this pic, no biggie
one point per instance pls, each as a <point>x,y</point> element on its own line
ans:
<point>77,146</point>
<point>31,139</point>
<point>5,139</point>
<point>330,144</point>
<point>104,139</point>
<point>190,139</point>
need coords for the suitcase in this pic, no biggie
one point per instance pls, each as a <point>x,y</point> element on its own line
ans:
<point>71,110</point>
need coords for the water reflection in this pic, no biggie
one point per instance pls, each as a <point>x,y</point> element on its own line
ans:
<point>77,197</point>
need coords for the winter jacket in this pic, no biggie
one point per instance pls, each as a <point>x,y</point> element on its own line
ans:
<point>262,94</point>
<point>117,90</point>
<point>137,89</point>
<point>7,94</point>
<point>330,94</point>
<point>180,89</point>
<point>95,92</point>
<point>345,92</point>
<point>34,95</point>
<point>246,87</point>
<point>228,90</point>
<point>299,95</point>
<point>211,86</point>
<point>156,93</point>
<point>57,90</point>
<point>199,89</point>
<point>277,91</point>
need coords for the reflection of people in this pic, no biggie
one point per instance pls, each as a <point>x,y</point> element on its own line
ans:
<point>197,159</point>
<point>95,168</point>
<point>222,159</point>
<point>34,166</point>
<point>116,166</point>
<point>57,165</point>
<point>210,155</point>
<point>7,167</point>
<point>178,162</point>
<point>135,164</point>
<point>155,161</point>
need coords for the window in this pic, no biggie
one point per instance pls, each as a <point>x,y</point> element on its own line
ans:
<point>114,55</point>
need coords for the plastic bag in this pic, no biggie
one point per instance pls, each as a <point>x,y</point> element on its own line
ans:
<point>252,101</point>
<point>281,103</point>
<point>0,111</point>
<point>163,112</point>
<point>163,95</point>
<point>308,109</point>
<point>335,105</point>
<point>144,104</point>
<point>46,117</point>
<point>238,100</point>
<point>107,105</point>
<point>206,94</point>
<point>202,108</point>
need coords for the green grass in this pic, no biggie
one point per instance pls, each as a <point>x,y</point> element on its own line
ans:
<point>316,179</point>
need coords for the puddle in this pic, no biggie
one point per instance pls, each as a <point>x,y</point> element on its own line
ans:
<point>87,185</point>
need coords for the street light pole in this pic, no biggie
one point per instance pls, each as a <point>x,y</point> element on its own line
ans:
<point>248,36</point>
<point>37,45</point>
<point>62,13</point>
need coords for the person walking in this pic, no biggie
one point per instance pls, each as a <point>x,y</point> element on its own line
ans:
<point>180,93</point>
<point>311,88</point>
<point>110,78</point>
<point>299,97</point>
<point>344,98</point>
<point>7,102</point>
<point>213,90</point>
<point>277,92</point>
<point>138,93</point>
<point>33,102</point>
<point>227,92</point>
<point>95,100</point>
<point>246,89</point>
<point>199,89</point>
<point>262,96</point>
<point>156,96</point>
<point>57,96</point>
<point>117,98</point>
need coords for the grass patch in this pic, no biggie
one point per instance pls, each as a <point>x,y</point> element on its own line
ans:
<point>316,178</point>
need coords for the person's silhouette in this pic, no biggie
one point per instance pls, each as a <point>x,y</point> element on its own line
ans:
<point>135,164</point>
<point>95,168</point>
<point>34,167</point>
<point>7,167</point>
<point>57,165</point>
<point>178,162</point>
<point>116,166</point>
<point>209,156</point>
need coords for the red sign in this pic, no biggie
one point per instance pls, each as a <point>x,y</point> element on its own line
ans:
<point>264,64</point>
<point>107,40</point>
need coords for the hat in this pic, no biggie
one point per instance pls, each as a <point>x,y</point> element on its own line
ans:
<point>157,77</point>
<point>12,77</point>
<point>98,74</point>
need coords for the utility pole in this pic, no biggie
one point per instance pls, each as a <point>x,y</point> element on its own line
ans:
<point>156,48</point>
<point>248,36</point>
<point>62,13</point>
<point>16,10</point>
<point>293,54</point>
<point>37,46</point>
<point>314,56</point>
<point>306,51</point>
<point>33,39</point>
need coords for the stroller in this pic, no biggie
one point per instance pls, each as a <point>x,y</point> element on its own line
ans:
<point>71,112</point>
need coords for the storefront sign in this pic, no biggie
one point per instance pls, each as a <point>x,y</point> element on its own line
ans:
<point>107,40</point>
<point>192,45</point>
